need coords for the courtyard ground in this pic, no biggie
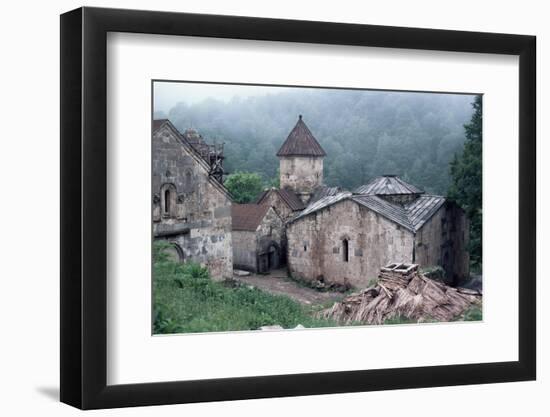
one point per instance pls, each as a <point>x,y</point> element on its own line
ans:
<point>277,282</point>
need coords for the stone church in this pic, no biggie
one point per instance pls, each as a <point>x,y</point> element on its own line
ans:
<point>191,207</point>
<point>319,232</point>
<point>345,237</point>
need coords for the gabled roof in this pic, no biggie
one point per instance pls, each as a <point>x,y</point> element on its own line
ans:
<point>412,216</point>
<point>423,208</point>
<point>288,196</point>
<point>165,123</point>
<point>157,123</point>
<point>248,217</point>
<point>393,212</point>
<point>388,185</point>
<point>301,142</point>
<point>291,199</point>
<point>323,203</point>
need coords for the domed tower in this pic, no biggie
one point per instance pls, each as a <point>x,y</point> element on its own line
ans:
<point>301,162</point>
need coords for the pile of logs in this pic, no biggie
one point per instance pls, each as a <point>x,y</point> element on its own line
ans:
<point>402,291</point>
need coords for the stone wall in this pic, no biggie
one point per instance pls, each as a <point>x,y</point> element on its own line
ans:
<point>275,201</point>
<point>460,236</point>
<point>301,174</point>
<point>271,227</point>
<point>443,241</point>
<point>245,250</point>
<point>198,218</point>
<point>248,246</point>
<point>316,244</point>
<point>429,241</point>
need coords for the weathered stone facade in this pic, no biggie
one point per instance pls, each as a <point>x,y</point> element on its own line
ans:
<point>276,201</point>
<point>344,237</point>
<point>257,242</point>
<point>317,244</point>
<point>191,208</point>
<point>301,174</point>
<point>301,162</point>
<point>285,202</point>
<point>348,241</point>
<point>443,241</point>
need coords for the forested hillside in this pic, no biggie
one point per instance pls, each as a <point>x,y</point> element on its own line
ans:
<point>365,133</point>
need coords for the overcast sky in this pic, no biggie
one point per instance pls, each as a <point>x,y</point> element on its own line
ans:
<point>168,94</point>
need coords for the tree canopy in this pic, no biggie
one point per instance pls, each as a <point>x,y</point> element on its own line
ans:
<point>364,133</point>
<point>245,187</point>
<point>466,179</point>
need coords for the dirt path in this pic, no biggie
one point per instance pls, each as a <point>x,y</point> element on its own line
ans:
<point>277,282</point>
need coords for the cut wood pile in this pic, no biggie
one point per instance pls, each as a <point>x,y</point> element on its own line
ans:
<point>402,291</point>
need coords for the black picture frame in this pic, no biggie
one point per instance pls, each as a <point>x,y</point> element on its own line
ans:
<point>84,207</point>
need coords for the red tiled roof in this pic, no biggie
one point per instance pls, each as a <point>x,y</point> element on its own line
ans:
<point>248,217</point>
<point>291,199</point>
<point>301,142</point>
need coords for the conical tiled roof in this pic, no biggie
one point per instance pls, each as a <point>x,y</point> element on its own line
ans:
<point>301,142</point>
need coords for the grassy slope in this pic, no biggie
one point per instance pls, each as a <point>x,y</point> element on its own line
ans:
<point>187,301</point>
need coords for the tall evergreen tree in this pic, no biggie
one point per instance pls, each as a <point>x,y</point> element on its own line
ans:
<point>466,180</point>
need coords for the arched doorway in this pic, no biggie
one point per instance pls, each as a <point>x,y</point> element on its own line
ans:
<point>273,257</point>
<point>269,257</point>
<point>174,252</point>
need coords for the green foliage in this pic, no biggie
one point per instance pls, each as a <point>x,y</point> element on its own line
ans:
<point>466,176</point>
<point>159,250</point>
<point>365,133</point>
<point>275,181</point>
<point>474,313</point>
<point>245,187</point>
<point>186,300</point>
<point>399,320</point>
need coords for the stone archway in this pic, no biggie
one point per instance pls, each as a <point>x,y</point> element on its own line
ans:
<point>273,257</point>
<point>174,252</point>
<point>269,256</point>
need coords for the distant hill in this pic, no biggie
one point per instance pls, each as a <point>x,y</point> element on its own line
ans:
<point>365,133</point>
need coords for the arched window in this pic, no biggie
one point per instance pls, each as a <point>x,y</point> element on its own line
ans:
<point>345,250</point>
<point>167,201</point>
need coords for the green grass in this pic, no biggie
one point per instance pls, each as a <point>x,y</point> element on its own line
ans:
<point>186,300</point>
<point>474,313</point>
<point>399,320</point>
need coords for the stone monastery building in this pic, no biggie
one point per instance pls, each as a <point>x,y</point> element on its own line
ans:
<point>321,233</point>
<point>191,207</point>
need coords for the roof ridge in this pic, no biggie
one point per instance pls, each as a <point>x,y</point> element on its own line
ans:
<point>196,154</point>
<point>388,185</point>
